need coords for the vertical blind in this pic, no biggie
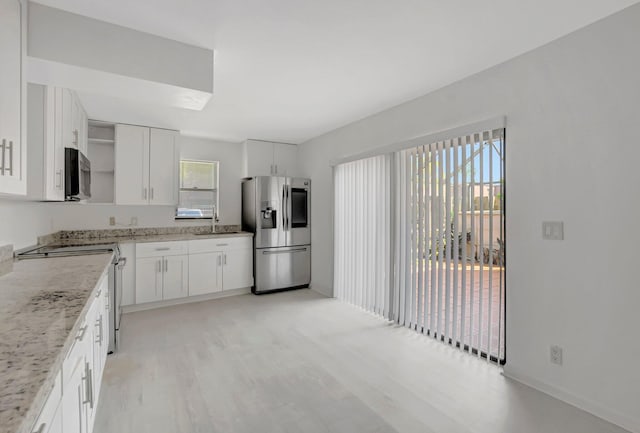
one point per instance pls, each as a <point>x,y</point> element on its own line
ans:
<point>362,233</point>
<point>444,239</point>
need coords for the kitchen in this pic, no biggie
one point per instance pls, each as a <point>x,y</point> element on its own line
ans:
<point>173,251</point>
<point>140,218</point>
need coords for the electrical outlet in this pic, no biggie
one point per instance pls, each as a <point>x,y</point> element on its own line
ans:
<point>555,353</point>
<point>553,230</point>
<point>112,221</point>
<point>134,221</point>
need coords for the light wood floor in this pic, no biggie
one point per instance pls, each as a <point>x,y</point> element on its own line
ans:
<point>297,362</point>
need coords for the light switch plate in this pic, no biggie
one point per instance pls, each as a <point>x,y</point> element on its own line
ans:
<point>553,230</point>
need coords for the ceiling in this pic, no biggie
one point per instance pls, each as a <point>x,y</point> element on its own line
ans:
<point>290,70</point>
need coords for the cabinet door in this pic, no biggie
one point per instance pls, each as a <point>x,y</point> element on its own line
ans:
<point>100,344</point>
<point>73,413</point>
<point>285,159</point>
<point>67,118</point>
<point>163,167</point>
<point>148,279</point>
<point>175,277</point>
<point>205,273</point>
<point>54,146</point>
<point>84,130</point>
<point>50,418</point>
<point>131,165</point>
<point>259,156</point>
<point>237,269</point>
<point>13,171</point>
<point>55,425</point>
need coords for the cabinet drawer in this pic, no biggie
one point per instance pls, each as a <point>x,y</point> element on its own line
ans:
<point>220,244</point>
<point>159,249</point>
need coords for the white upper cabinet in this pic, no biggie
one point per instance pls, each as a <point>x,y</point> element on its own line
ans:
<point>146,165</point>
<point>12,148</point>
<point>285,159</point>
<point>131,165</point>
<point>55,120</point>
<point>267,158</point>
<point>79,123</point>
<point>163,167</point>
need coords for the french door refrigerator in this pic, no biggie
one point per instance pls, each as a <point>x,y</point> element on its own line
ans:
<point>277,211</point>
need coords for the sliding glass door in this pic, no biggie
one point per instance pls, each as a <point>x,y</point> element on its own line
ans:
<point>450,244</point>
<point>420,239</point>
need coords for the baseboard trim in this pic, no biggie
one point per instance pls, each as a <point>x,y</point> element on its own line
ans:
<point>179,301</point>
<point>320,291</point>
<point>593,408</point>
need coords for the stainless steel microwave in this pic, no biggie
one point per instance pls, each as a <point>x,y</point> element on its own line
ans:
<point>77,169</point>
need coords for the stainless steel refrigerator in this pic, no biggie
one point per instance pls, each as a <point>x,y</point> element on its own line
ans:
<point>277,211</point>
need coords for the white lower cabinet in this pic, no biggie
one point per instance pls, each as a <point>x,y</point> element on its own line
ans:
<point>175,278</point>
<point>162,271</point>
<point>50,418</point>
<point>237,269</point>
<point>148,279</point>
<point>71,405</point>
<point>205,273</point>
<point>178,269</point>
<point>220,264</point>
<point>72,400</point>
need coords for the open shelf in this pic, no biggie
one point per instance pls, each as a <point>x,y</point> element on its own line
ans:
<point>101,154</point>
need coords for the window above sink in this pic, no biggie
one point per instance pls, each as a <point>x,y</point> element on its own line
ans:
<point>198,194</point>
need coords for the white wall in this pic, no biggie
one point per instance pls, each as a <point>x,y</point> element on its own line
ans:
<point>572,154</point>
<point>70,216</point>
<point>22,222</point>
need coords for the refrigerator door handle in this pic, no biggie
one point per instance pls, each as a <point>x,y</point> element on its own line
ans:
<point>296,250</point>
<point>288,188</point>
<point>284,207</point>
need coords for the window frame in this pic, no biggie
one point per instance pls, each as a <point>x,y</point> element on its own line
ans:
<point>216,191</point>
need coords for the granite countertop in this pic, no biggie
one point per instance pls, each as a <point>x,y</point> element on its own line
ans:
<point>41,301</point>
<point>146,238</point>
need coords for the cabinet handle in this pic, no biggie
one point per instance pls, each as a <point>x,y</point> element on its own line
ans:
<point>166,265</point>
<point>99,326</point>
<point>11,158</point>
<point>81,333</point>
<point>163,249</point>
<point>158,266</point>
<point>144,193</point>
<point>76,140</point>
<point>59,180</point>
<point>151,193</point>
<point>88,385</point>
<point>4,148</point>
<point>225,259</point>
<point>41,428</point>
<point>221,245</point>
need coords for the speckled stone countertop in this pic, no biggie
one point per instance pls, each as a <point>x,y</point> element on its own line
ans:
<point>147,238</point>
<point>41,302</point>
<point>135,235</point>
